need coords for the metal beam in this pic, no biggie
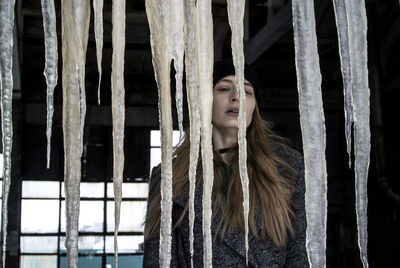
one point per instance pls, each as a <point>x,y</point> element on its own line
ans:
<point>144,116</point>
<point>276,27</point>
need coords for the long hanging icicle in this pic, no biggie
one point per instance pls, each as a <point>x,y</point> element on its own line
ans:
<point>356,17</point>
<point>236,15</point>
<point>205,58</point>
<point>98,33</point>
<point>118,109</point>
<point>75,25</point>
<point>313,129</point>
<point>81,20</point>
<point>193,105</point>
<point>342,29</point>
<point>6,79</point>
<point>159,18</point>
<point>177,54</point>
<point>51,65</point>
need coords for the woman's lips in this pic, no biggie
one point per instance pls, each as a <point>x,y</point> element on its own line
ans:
<point>234,112</point>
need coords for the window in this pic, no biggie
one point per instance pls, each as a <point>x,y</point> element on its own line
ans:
<point>155,144</point>
<point>43,223</point>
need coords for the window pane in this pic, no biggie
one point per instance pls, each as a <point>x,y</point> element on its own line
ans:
<point>40,189</point>
<point>125,261</point>
<point>90,216</point>
<point>83,262</point>
<point>1,182</point>
<point>42,261</point>
<point>126,244</point>
<point>175,138</point>
<point>155,138</point>
<point>155,157</point>
<point>39,216</point>
<point>87,244</point>
<point>88,189</point>
<point>132,216</point>
<point>39,244</point>
<point>130,190</point>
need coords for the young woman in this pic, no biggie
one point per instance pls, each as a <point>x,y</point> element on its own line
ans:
<point>276,184</point>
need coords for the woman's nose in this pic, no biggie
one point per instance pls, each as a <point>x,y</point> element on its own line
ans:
<point>234,95</point>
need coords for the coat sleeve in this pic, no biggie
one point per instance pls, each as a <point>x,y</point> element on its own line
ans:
<point>151,252</point>
<point>296,249</point>
<point>151,246</point>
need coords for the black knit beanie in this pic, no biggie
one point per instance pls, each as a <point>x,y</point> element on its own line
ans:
<point>225,67</point>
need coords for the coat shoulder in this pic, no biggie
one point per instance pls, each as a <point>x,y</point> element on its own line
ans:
<point>289,155</point>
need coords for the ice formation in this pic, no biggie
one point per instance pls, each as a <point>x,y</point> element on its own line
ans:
<point>177,20</point>
<point>98,33</point>
<point>198,43</point>
<point>356,17</point>
<point>51,64</point>
<point>342,29</point>
<point>159,18</point>
<point>205,59</point>
<point>235,15</point>
<point>75,25</point>
<point>353,53</point>
<point>164,48</point>
<point>313,129</point>
<point>6,80</point>
<point>193,106</point>
<point>118,109</point>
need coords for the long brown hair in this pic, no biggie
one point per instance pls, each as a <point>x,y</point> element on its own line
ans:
<point>267,188</point>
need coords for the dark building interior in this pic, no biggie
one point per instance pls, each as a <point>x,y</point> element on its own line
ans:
<point>269,47</point>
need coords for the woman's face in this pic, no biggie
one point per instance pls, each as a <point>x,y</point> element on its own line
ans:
<point>226,103</point>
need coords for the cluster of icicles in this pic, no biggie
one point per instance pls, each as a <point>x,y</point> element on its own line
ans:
<point>181,28</point>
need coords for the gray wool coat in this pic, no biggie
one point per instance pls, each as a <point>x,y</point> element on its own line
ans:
<point>230,251</point>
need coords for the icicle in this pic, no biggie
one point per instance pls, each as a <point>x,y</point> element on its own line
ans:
<point>356,16</point>
<point>194,113</point>
<point>177,54</point>
<point>235,15</point>
<point>6,80</point>
<point>98,33</point>
<point>51,65</point>
<point>75,24</point>
<point>205,58</point>
<point>342,29</point>
<point>353,48</point>
<point>81,20</point>
<point>313,129</point>
<point>118,109</point>
<point>158,15</point>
